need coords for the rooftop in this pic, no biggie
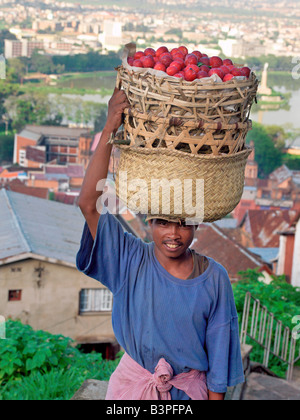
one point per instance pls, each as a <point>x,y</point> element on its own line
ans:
<point>215,243</point>
<point>45,229</point>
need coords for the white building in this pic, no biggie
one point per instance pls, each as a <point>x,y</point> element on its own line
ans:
<point>232,47</point>
<point>112,36</point>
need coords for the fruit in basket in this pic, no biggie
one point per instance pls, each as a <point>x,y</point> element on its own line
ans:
<point>138,55</point>
<point>148,61</point>
<point>177,64</point>
<point>174,51</point>
<point>172,70</point>
<point>227,62</point>
<point>150,51</point>
<point>191,59</point>
<point>184,50</point>
<point>217,71</point>
<point>178,54</point>
<point>137,63</point>
<point>161,50</point>
<point>203,67</point>
<point>197,54</point>
<point>215,62</point>
<point>228,77</point>
<point>166,59</point>
<point>130,61</point>
<point>236,72</point>
<point>225,69</point>
<point>189,66</point>
<point>194,67</point>
<point>190,74</point>
<point>205,61</point>
<point>160,67</point>
<point>202,74</point>
<point>245,71</point>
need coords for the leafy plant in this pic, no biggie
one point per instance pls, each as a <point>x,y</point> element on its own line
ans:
<point>279,297</point>
<point>39,365</point>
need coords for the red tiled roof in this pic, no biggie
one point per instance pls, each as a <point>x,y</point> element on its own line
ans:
<point>263,226</point>
<point>213,242</point>
<point>73,171</point>
<point>17,186</point>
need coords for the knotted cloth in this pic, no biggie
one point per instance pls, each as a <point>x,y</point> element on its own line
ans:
<point>130,381</point>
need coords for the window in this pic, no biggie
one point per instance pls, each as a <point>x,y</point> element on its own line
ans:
<point>22,157</point>
<point>14,295</point>
<point>95,300</point>
<point>16,269</point>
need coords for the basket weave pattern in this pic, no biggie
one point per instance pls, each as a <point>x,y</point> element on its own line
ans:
<point>223,179</point>
<point>197,138</point>
<point>194,117</point>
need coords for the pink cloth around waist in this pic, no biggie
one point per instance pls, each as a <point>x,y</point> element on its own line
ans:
<point>130,381</point>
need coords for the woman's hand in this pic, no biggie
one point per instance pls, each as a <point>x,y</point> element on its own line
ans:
<point>116,106</point>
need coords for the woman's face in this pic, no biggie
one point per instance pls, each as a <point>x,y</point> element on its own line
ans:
<point>172,239</point>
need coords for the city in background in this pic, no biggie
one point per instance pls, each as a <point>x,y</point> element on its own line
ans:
<point>60,60</point>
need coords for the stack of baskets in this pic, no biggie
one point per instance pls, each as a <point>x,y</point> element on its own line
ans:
<point>176,131</point>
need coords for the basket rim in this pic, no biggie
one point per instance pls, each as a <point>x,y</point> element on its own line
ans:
<point>178,153</point>
<point>231,84</point>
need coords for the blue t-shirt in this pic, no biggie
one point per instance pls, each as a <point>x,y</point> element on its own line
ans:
<point>193,323</point>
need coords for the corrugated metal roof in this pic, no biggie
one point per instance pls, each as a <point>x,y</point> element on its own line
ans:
<point>12,241</point>
<point>28,134</point>
<point>56,131</point>
<point>42,227</point>
<point>33,225</point>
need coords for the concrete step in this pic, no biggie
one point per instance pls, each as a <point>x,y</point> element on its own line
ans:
<point>265,387</point>
<point>296,375</point>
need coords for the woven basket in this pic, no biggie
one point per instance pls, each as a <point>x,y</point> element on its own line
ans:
<point>198,117</point>
<point>223,182</point>
<point>142,130</point>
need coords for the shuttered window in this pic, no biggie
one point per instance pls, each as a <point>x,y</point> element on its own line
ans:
<point>95,300</point>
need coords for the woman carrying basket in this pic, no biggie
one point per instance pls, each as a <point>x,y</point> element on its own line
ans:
<point>174,312</point>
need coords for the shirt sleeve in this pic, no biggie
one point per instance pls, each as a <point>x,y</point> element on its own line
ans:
<point>107,258</point>
<point>222,340</point>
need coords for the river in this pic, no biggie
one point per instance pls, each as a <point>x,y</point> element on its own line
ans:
<point>285,118</point>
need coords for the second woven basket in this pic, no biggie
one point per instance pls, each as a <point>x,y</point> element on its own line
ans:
<point>142,171</point>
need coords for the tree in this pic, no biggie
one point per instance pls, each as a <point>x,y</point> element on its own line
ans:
<point>31,108</point>
<point>6,90</point>
<point>16,70</point>
<point>100,119</point>
<point>6,147</point>
<point>5,34</point>
<point>267,155</point>
<point>44,64</point>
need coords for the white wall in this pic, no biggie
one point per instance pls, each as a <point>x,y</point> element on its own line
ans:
<point>296,260</point>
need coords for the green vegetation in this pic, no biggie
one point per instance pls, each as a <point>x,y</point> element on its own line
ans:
<point>35,365</point>
<point>280,298</point>
<point>6,147</point>
<point>269,144</point>
<point>283,64</point>
<point>5,34</point>
<point>292,161</point>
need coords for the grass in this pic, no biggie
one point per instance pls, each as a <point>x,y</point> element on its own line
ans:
<point>69,77</point>
<point>31,88</point>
